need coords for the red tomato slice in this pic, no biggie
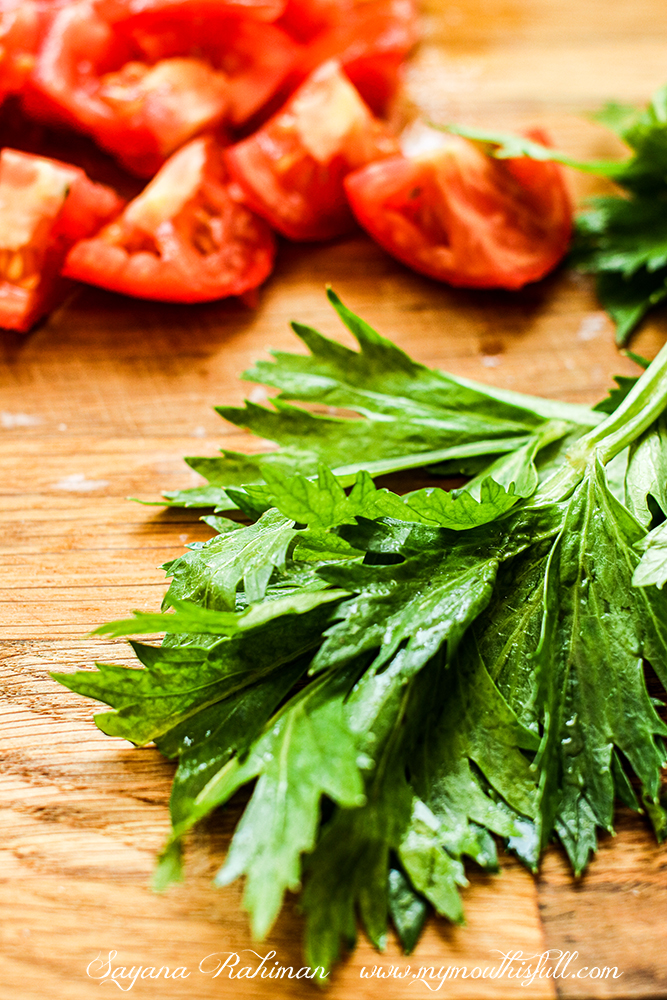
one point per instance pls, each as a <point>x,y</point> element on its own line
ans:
<point>292,170</point>
<point>144,91</point>
<point>22,26</point>
<point>45,207</point>
<point>184,239</point>
<point>371,39</point>
<point>77,48</point>
<point>253,59</point>
<point>463,217</point>
<point>257,10</point>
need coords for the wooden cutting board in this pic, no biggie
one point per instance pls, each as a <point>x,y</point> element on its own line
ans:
<point>102,402</point>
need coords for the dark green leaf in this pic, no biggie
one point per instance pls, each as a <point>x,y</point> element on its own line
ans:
<point>306,753</point>
<point>408,909</point>
<point>596,630</point>
<point>177,683</point>
<point>616,396</point>
<point>627,300</point>
<point>389,413</point>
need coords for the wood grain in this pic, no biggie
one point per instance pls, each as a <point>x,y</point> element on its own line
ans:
<point>102,402</point>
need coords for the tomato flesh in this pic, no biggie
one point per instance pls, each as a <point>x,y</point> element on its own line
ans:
<point>170,102</point>
<point>292,169</point>
<point>184,239</point>
<point>463,217</point>
<point>45,207</point>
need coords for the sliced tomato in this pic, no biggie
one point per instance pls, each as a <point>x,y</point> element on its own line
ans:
<point>45,207</point>
<point>252,58</point>
<point>371,39</point>
<point>292,169</point>
<point>143,91</point>
<point>257,10</point>
<point>23,24</point>
<point>78,47</point>
<point>458,215</point>
<point>184,239</point>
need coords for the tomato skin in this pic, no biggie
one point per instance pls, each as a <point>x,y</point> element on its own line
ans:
<point>45,207</point>
<point>462,217</point>
<point>305,19</point>
<point>292,169</point>
<point>184,239</point>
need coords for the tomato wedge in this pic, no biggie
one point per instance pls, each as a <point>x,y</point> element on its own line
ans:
<point>292,169</point>
<point>144,87</point>
<point>22,26</point>
<point>45,207</point>
<point>252,58</point>
<point>258,10</point>
<point>458,215</point>
<point>371,39</point>
<point>184,239</point>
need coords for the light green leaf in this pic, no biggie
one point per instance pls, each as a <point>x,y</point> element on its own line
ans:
<point>646,476</point>
<point>210,575</point>
<point>652,568</point>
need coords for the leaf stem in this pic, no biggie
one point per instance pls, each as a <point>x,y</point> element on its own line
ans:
<point>641,407</point>
<point>643,404</point>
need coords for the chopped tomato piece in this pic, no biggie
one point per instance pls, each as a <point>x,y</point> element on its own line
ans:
<point>144,87</point>
<point>254,59</point>
<point>371,39</point>
<point>166,104</point>
<point>458,215</point>
<point>184,239</point>
<point>45,207</point>
<point>257,10</point>
<point>78,47</point>
<point>292,170</point>
<point>22,26</point>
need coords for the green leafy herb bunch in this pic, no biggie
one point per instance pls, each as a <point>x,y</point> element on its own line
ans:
<point>408,680</point>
